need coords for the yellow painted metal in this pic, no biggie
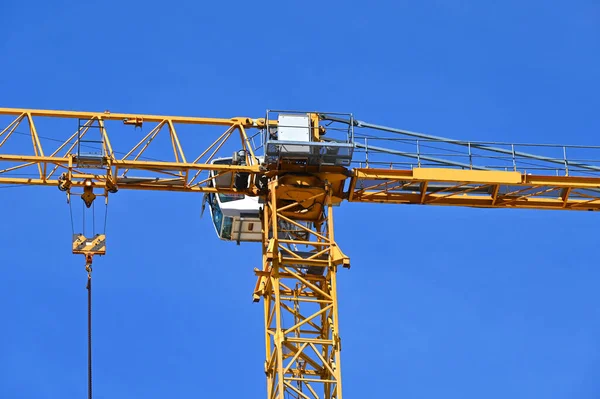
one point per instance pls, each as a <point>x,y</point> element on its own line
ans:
<point>299,290</point>
<point>138,118</point>
<point>315,128</point>
<point>111,171</point>
<point>485,189</point>
<point>467,176</point>
<point>89,247</point>
<point>95,245</point>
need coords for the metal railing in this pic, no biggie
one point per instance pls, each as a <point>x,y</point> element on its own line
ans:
<point>384,147</point>
<point>559,160</point>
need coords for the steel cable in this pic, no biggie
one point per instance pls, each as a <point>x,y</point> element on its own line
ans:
<point>89,290</point>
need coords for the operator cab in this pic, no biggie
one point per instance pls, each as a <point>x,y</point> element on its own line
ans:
<point>234,216</point>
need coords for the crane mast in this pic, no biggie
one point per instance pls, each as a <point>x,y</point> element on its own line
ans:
<point>299,286</point>
<point>310,165</point>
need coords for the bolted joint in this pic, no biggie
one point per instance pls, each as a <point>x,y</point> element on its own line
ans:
<point>136,122</point>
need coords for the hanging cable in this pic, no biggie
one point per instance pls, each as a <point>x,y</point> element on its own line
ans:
<point>105,217</point>
<point>71,213</point>
<point>83,212</point>
<point>88,268</point>
<point>93,217</point>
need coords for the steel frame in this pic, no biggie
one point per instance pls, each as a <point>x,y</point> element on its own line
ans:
<point>179,175</point>
<point>473,188</point>
<point>299,290</point>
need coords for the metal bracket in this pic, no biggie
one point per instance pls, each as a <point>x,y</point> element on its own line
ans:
<point>89,246</point>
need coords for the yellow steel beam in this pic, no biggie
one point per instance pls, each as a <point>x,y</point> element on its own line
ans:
<point>470,176</point>
<point>487,189</point>
<point>142,165</point>
<point>107,115</point>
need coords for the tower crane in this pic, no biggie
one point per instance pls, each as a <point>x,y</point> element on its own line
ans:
<point>275,180</point>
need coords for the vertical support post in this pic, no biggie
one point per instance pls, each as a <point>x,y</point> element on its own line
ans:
<point>514,161</point>
<point>566,161</point>
<point>366,152</point>
<point>299,289</point>
<point>332,273</point>
<point>470,157</point>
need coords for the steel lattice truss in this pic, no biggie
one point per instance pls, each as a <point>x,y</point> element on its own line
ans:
<point>300,257</point>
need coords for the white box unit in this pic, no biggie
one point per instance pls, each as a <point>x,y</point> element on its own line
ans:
<point>294,128</point>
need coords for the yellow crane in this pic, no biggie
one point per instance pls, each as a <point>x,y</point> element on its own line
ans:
<point>276,180</point>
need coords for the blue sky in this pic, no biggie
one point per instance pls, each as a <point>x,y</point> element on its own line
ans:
<point>440,302</point>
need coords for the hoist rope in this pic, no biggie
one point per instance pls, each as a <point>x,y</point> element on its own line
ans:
<point>71,213</point>
<point>83,212</point>
<point>89,290</point>
<point>93,217</point>
<point>105,217</point>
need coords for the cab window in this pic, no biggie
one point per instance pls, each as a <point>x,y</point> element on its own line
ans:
<point>230,197</point>
<point>227,226</point>
<point>216,213</point>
